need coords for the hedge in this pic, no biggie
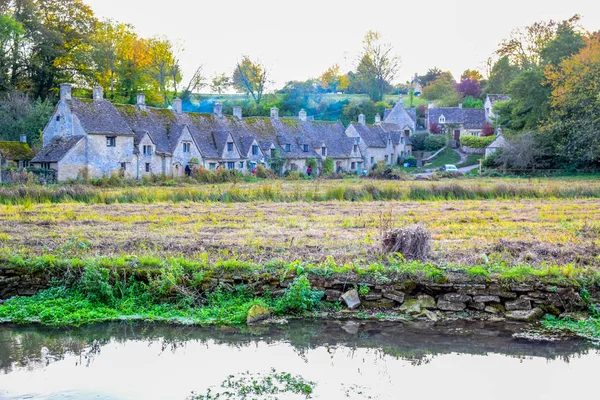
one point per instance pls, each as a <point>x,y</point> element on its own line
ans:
<point>476,142</point>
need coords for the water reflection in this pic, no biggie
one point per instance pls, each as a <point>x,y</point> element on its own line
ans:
<point>30,352</point>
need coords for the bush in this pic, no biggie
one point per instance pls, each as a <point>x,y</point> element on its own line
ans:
<point>95,283</point>
<point>475,142</point>
<point>328,166</point>
<point>293,176</point>
<point>264,173</point>
<point>427,142</point>
<point>299,297</point>
<point>413,242</point>
<point>412,161</point>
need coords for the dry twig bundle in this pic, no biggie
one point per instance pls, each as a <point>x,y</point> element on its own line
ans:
<point>413,242</point>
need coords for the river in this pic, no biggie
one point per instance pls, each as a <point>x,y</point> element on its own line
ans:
<point>346,360</point>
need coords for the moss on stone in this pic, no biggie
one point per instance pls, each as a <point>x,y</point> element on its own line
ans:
<point>16,151</point>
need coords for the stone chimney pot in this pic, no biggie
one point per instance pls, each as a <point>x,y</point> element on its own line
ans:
<point>237,112</point>
<point>275,113</point>
<point>302,115</point>
<point>362,119</point>
<point>218,110</point>
<point>98,93</point>
<point>178,106</point>
<point>65,91</point>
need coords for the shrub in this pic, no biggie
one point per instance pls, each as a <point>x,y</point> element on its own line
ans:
<point>413,242</point>
<point>435,128</point>
<point>293,175</point>
<point>476,142</point>
<point>328,166</point>
<point>95,283</point>
<point>264,173</point>
<point>412,161</point>
<point>427,142</point>
<point>299,297</point>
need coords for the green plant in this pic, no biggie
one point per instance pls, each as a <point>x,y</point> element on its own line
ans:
<point>363,290</point>
<point>95,284</point>
<point>299,297</point>
<point>328,166</point>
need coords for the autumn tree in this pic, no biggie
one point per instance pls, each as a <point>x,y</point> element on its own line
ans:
<point>333,81</point>
<point>250,77</point>
<point>377,65</point>
<point>471,74</point>
<point>220,83</point>
<point>164,66</point>
<point>442,90</point>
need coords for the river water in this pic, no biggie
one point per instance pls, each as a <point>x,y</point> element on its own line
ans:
<point>347,360</point>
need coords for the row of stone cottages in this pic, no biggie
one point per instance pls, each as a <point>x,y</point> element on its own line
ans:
<point>98,138</point>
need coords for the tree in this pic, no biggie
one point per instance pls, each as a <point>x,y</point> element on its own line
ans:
<point>250,77</point>
<point>472,75</point>
<point>164,66</point>
<point>501,75</point>
<point>442,90</point>
<point>333,81</point>
<point>220,83</point>
<point>468,88</point>
<point>19,115</point>
<point>435,128</point>
<point>566,43</point>
<point>522,152</point>
<point>471,102</point>
<point>488,130</point>
<point>377,65</point>
<point>431,75</point>
<point>529,104</point>
<point>10,33</point>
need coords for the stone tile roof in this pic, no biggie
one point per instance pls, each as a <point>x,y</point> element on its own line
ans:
<point>57,149</point>
<point>99,117</point>
<point>471,118</point>
<point>15,151</point>
<point>373,135</point>
<point>494,98</point>
<point>400,116</point>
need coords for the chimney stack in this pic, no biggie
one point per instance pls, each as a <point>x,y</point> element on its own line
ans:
<point>274,113</point>
<point>98,93</point>
<point>65,91</point>
<point>377,119</point>
<point>430,105</point>
<point>23,138</point>
<point>499,130</point>
<point>460,105</point>
<point>141,101</point>
<point>237,113</point>
<point>177,106</point>
<point>362,120</point>
<point>302,115</point>
<point>218,110</point>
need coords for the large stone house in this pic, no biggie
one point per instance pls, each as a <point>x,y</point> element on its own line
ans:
<point>94,138</point>
<point>457,121</point>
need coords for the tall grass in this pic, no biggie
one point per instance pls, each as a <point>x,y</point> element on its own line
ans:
<point>294,192</point>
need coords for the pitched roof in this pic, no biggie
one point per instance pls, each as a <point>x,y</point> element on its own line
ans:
<point>373,135</point>
<point>56,149</point>
<point>471,118</point>
<point>99,117</point>
<point>499,142</point>
<point>400,116</point>
<point>15,151</point>
<point>494,98</point>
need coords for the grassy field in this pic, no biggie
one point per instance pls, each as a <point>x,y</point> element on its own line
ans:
<point>448,156</point>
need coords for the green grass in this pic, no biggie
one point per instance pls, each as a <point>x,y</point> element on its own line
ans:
<point>448,156</point>
<point>472,159</point>
<point>587,328</point>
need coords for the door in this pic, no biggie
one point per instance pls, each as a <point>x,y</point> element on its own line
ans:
<point>457,135</point>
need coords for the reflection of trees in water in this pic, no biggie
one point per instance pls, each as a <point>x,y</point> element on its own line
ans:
<point>33,347</point>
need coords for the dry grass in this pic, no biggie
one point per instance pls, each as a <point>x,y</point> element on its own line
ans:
<point>511,231</point>
<point>413,242</point>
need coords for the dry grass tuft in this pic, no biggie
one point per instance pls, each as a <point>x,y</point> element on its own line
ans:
<point>412,241</point>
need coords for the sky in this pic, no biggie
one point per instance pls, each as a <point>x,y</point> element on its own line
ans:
<point>300,40</point>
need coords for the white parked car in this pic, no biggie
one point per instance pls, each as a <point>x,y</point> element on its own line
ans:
<point>449,168</point>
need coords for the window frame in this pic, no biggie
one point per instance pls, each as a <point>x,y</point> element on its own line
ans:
<point>254,149</point>
<point>111,141</point>
<point>229,146</point>
<point>230,165</point>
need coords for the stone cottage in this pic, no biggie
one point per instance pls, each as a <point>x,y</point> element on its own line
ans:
<point>498,144</point>
<point>14,154</point>
<point>93,137</point>
<point>490,102</point>
<point>457,121</point>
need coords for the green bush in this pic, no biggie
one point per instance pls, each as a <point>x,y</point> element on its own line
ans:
<point>412,161</point>
<point>425,141</point>
<point>476,142</point>
<point>95,284</point>
<point>328,166</point>
<point>299,297</point>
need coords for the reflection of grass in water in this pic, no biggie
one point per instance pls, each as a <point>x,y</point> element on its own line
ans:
<point>265,386</point>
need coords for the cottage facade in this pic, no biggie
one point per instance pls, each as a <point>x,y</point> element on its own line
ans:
<point>456,121</point>
<point>490,102</point>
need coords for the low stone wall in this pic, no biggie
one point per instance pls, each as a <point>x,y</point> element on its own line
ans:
<point>483,297</point>
<point>472,150</point>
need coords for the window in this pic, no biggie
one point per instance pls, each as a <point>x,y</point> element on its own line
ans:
<point>306,148</point>
<point>241,165</point>
<point>372,160</point>
<point>288,148</point>
<point>407,132</point>
<point>401,139</point>
<point>212,166</point>
<point>148,167</point>
<point>123,166</point>
<point>111,141</point>
<point>187,147</point>
<point>294,167</point>
<point>254,150</point>
<point>147,150</point>
<point>442,119</point>
<point>272,152</point>
<point>58,118</point>
<point>230,165</point>
<point>358,140</point>
<point>45,165</point>
<point>323,151</point>
<point>387,158</point>
<point>355,148</point>
<point>229,146</point>
<point>353,166</point>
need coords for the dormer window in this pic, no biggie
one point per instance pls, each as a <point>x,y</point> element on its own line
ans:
<point>323,151</point>
<point>401,139</point>
<point>187,147</point>
<point>254,150</point>
<point>442,119</point>
<point>288,148</point>
<point>230,147</point>
<point>273,153</point>
<point>306,148</point>
<point>355,148</point>
<point>147,150</point>
<point>358,140</point>
<point>407,132</point>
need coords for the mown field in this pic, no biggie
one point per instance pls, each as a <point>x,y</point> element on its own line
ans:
<point>534,222</point>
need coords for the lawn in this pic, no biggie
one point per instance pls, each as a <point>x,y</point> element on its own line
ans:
<point>448,156</point>
<point>472,159</point>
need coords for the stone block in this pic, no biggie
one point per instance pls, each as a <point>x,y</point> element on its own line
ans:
<point>445,305</point>
<point>519,304</point>
<point>351,299</point>
<point>486,299</point>
<point>373,296</point>
<point>477,306</point>
<point>525,315</point>
<point>398,297</point>
<point>457,298</point>
<point>333,295</point>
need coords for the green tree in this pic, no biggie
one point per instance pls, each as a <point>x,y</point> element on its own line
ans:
<point>220,83</point>
<point>11,32</point>
<point>529,104</point>
<point>442,90</point>
<point>566,43</point>
<point>250,77</point>
<point>378,65</point>
<point>501,75</point>
<point>20,115</point>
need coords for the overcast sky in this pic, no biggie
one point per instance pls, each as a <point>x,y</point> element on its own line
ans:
<point>300,40</point>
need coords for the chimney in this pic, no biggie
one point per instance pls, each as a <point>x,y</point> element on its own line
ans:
<point>237,113</point>
<point>302,115</point>
<point>377,119</point>
<point>177,106</point>
<point>218,110</point>
<point>98,93</point>
<point>362,120</point>
<point>274,113</point>
<point>65,91</point>
<point>141,101</point>
<point>23,138</point>
<point>499,130</point>
<point>460,105</point>
<point>430,105</point>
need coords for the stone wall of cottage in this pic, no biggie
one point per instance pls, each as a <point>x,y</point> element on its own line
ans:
<point>62,124</point>
<point>182,159</point>
<point>155,160</point>
<point>73,163</point>
<point>104,160</point>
